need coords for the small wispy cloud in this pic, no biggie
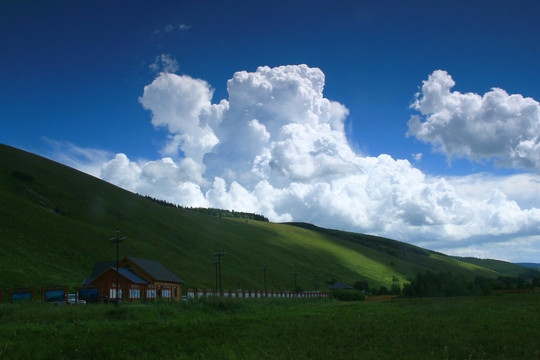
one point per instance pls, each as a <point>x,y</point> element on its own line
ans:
<point>170,28</point>
<point>164,63</point>
<point>87,160</point>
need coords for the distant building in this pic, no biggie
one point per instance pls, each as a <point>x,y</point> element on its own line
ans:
<point>138,279</point>
<point>340,285</point>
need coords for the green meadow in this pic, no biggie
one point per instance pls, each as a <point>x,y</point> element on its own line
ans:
<point>492,327</point>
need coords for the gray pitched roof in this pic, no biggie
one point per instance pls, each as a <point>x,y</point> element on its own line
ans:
<point>156,270</point>
<point>339,285</point>
<point>131,276</point>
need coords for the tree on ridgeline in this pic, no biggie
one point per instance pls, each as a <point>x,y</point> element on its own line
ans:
<point>211,211</point>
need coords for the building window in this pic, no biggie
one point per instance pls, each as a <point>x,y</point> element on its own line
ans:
<point>166,293</point>
<point>134,293</point>
<point>112,294</point>
<point>150,293</point>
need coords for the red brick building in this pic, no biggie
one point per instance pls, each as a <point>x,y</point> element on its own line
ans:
<point>138,279</point>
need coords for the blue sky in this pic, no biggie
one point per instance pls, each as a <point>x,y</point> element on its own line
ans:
<point>73,89</point>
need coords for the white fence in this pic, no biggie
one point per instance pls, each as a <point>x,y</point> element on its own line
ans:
<point>255,294</point>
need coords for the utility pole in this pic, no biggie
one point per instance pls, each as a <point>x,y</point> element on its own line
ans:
<point>316,276</point>
<point>218,254</point>
<point>117,239</point>
<point>295,273</point>
<point>265,269</point>
<point>215,262</point>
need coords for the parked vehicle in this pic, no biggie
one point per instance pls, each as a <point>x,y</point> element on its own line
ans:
<point>74,300</point>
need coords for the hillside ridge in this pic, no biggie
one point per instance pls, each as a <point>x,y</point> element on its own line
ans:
<point>55,223</point>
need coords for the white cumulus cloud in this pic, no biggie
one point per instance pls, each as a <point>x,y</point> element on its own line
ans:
<point>183,105</point>
<point>278,147</point>
<point>495,125</point>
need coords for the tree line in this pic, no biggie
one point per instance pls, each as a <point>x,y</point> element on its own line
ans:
<point>446,284</point>
<point>211,211</point>
<point>229,213</point>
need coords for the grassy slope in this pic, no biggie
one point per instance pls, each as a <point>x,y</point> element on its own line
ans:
<point>503,267</point>
<point>55,222</point>
<point>414,254</point>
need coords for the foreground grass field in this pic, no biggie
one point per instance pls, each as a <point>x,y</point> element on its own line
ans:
<point>494,327</point>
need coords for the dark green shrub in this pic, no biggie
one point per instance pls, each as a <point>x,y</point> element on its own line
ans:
<point>348,295</point>
<point>361,285</point>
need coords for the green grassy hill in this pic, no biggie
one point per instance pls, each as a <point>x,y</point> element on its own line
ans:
<point>503,267</point>
<point>55,222</point>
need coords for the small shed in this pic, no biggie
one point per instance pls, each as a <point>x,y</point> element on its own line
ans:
<point>138,279</point>
<point>340,285</point>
